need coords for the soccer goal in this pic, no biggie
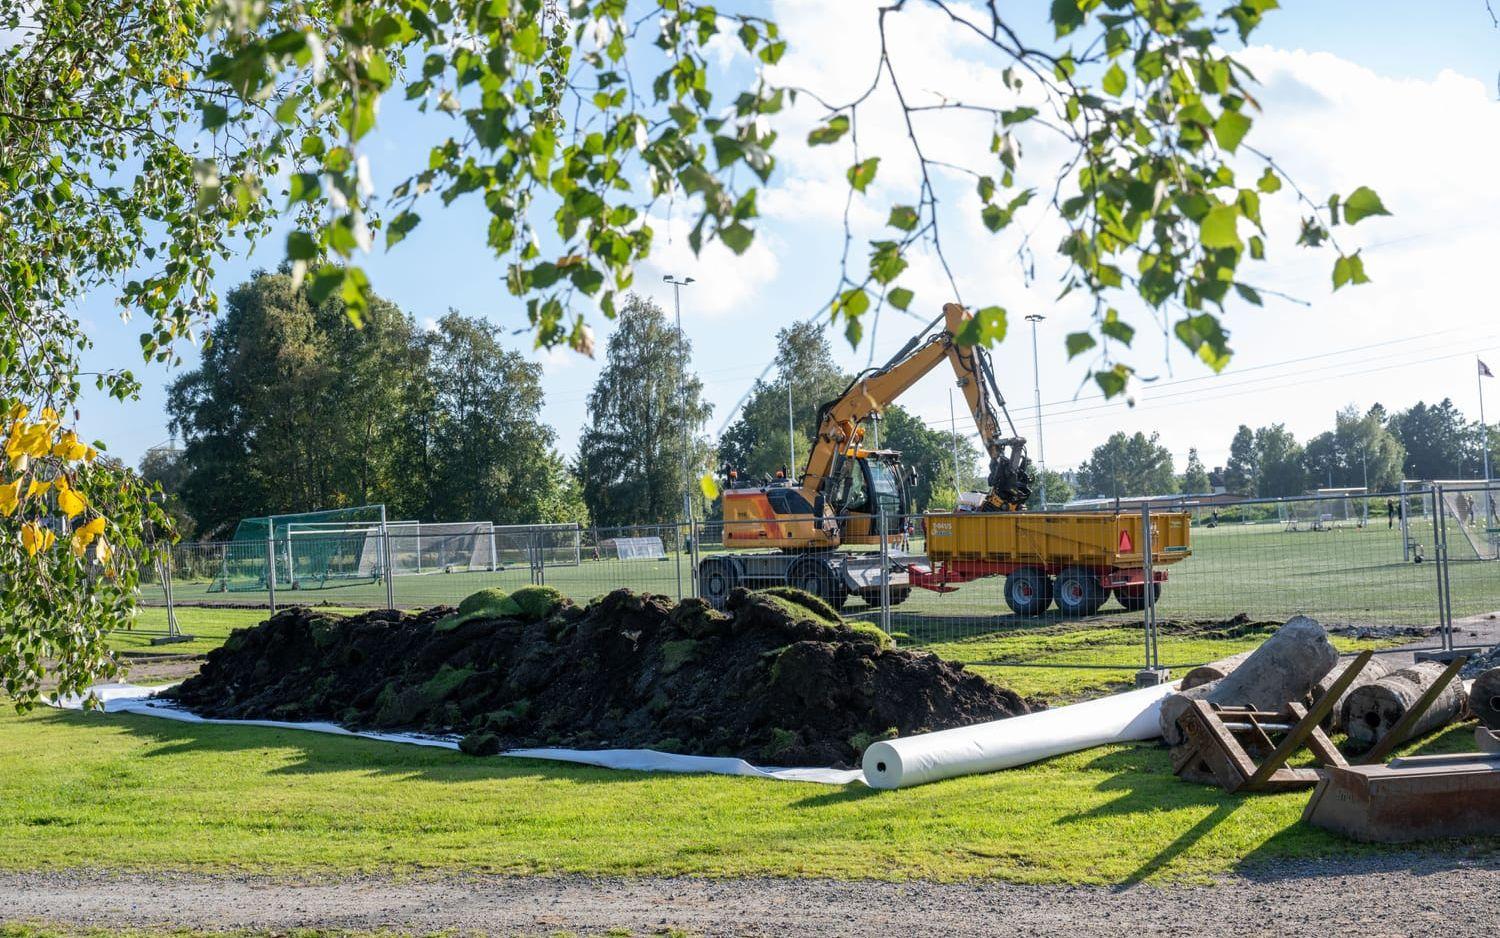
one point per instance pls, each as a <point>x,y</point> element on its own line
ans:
<point>551,545</point>
<point>1471,511</point>
<point>1325,510</point>
<point>307,550</point>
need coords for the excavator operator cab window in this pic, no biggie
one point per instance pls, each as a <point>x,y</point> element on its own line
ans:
<point>885,488</point>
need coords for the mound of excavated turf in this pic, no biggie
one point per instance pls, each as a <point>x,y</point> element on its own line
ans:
<point>779,679</point>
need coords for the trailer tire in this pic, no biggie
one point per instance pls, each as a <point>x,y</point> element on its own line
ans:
<point>1028,591</point>
<point>817,576</point>
<point>716,579</point>
<point>1134,597</point>
<point>1079,592</point>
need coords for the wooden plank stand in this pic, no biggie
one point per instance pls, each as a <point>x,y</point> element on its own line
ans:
<point>1223,743</point>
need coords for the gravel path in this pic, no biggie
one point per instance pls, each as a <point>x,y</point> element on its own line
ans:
<point>1395,894</point>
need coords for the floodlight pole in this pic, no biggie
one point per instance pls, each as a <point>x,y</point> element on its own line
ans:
<point>1036,387</point>
<point>791,433</point>
<point>953,436</point>
<point>687,492</point>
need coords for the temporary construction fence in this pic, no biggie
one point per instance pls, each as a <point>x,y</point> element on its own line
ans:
<point>1414,558</point>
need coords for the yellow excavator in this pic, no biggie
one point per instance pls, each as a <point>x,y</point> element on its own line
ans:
<point>846,489</point>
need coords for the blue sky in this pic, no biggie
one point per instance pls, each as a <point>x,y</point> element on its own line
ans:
<point>1395,95</point>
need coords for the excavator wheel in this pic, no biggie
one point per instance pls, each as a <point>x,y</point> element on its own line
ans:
<point>899,595</point>
<point>817,576</point>
<point>1028,591</point>
<point>1134,597</point>
<point>716,577</point>
<point>1079,592</point>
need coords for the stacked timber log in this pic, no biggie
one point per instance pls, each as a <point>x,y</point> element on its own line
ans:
<point>1284,668</point>
<point>1484,698</point>
<point>1373,710</point>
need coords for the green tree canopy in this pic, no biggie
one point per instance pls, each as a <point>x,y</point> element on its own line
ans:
<point>1278,459</point>
<point>1059,489</point>
<point>294,409</point>
<point>1440,443</point>
<point>1360,451</point>
<point>756,443</point>
<point>1126,466</point>
<point>1242,471</point>
<point>290,407</point>
<point>489,453</point>
<point>1195,476</point>
<point>631,457</point>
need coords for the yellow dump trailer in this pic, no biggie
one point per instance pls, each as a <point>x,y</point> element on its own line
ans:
<point>1076,559</point>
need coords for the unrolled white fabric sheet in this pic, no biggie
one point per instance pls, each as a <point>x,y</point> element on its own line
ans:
<point>1004,744</point>
<point>129,698</point>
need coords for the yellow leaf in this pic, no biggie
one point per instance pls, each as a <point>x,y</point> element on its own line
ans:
<point>70,502</point>
<point>48,539</point>
<point>37,487</point>
<point>85,535</point>
<point>31,537</point>
<point>10,497</point>
<point>68,447</point>
<point>102,550</point>
<point>709,486</point>
<point>49,415</point>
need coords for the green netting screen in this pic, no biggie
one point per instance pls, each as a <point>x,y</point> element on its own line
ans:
<point>310,550</point>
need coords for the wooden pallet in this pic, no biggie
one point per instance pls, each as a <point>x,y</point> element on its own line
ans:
<point>1223,743</point>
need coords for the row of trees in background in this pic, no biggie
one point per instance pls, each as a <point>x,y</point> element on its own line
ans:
<point>293,409</point>
<point>1374,449</point>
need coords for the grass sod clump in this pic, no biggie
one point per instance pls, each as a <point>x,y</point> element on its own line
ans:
<point>631,671</point>
<point>123,792</point>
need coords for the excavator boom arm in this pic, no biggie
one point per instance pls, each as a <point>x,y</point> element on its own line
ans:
<point>873,391</point>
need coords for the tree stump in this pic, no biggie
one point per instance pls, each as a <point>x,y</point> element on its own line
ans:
<point>1282,670</point>
<point>1372,710</point>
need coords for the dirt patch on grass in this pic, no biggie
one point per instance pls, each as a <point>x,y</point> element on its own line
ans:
<point>779,679</point>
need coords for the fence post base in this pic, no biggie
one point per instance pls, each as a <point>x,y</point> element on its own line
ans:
<point>1152,677</point>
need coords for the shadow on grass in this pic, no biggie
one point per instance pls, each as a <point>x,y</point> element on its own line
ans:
<point>841,795</point>
<point>323,752</point>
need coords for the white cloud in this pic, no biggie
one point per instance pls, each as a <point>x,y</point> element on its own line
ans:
<point>724,282</point>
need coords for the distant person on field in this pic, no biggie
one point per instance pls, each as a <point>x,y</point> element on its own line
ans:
<point>1390,513</point>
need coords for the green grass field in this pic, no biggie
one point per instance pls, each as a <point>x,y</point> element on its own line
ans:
<point>139,793</point>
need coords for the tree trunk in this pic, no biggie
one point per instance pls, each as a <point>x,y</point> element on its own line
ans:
<point>1214,670</point>
<point>1484,699</point>
<point>1283,669</point>
<point>1372,710</point>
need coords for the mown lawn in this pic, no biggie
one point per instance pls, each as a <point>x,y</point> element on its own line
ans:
<point>141,793</point>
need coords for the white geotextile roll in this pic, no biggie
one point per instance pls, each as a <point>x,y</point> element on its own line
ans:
<point>1002,744</point>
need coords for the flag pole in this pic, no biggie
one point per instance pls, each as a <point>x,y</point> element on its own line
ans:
<point>1484,427</point>
<point>1484,444</point>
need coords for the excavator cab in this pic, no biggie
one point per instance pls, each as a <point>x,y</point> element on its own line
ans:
<point>866,485</point>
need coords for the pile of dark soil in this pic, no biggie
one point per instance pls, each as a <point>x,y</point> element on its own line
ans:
<point>779,679</point>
